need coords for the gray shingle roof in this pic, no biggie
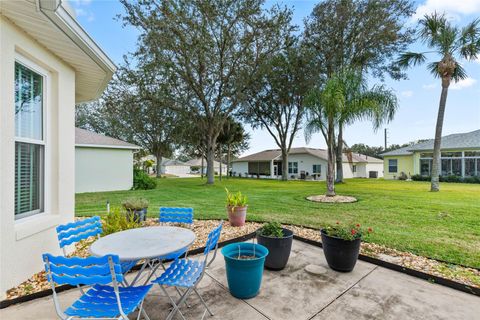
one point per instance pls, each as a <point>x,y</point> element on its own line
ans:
<point>276,154</point>
<point>88,138</point>
<point>170,162</point>
<point>468,140</point>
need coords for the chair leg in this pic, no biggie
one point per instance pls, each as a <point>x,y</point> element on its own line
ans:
<point>175,306</point>
<point>203,301</point>
<point>178,304</point>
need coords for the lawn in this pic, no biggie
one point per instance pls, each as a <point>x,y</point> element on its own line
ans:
<point>404,215</point>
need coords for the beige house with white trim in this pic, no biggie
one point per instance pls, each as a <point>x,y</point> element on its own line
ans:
<point>305,163</point>
<point>48,64</point>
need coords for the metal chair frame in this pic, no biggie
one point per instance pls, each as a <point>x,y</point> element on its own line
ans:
<point>94,271</point>
<point>210,245</point>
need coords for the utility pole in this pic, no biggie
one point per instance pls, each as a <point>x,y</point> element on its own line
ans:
<point>385,139</point>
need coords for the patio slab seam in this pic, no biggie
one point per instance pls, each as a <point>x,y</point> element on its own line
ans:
<point>343,293</point>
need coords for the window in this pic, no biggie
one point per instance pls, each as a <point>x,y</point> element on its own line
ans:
<point>451,155</point>
<point>354,168</point>
<point>472,153</point>
<point>293,167</point>
<point>317,168</point>
<point>470,167</point>
<point>392,165</point>
<point>425,167</point>
<point>29,141</point>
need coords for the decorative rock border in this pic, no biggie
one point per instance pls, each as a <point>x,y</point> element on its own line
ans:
<point>335,199</point>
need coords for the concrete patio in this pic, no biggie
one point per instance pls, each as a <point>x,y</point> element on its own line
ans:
<point>369,292</point>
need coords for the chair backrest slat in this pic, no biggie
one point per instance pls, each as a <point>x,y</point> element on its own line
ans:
<point>79,230</point>
<point>213,238</point>
<point>176,215</point>
<point>86,271</point>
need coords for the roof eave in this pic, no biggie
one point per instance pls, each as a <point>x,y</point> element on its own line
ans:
<point>105,146</point>
<point>60,17</point>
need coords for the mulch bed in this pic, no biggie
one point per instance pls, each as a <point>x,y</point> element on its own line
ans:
<point>464,275</point>
<point>333,199</point>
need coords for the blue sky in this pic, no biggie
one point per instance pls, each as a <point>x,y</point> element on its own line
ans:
<point>418,95</point>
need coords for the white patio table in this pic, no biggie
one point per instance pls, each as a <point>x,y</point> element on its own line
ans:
<point>145,244</point>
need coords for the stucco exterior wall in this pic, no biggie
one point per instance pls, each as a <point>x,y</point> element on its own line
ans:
<point>103,169</point>
<point>240,167</point>
<point>23,241</point>
<point>404,164</point>
<point>374,167</point>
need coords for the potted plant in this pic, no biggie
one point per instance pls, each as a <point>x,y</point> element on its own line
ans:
<point>244,263</point>
<point>278,241</point>
<point>236,208</point>
<point>341,245</point>
<point>136,207</point>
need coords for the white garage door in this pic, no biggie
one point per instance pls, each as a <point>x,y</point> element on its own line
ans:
<point>178,169</point>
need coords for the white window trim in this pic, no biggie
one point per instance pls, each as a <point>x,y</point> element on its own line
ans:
<point>45,142</point>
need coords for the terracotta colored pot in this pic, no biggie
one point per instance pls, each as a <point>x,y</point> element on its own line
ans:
<point>237,215</point>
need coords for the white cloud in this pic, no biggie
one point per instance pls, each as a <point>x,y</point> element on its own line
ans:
<point>465,83</point>
<point>452,8</point>
<point>82,9</point>
<point>407,93</point>
<point>429,86</point>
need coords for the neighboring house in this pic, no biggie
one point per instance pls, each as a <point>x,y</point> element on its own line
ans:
<point>175,167</point>
<point>305,163</point>
<point>48,64</point>
<point>197,166</point>
<point>460,156</point>
<point>102,163</point>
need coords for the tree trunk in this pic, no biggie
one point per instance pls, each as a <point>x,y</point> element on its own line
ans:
<point>158,165</point>
<point>220,160</point>
<point>331,160</point>
<point>210,162</point>
<point>228,160</point>
<point>201,168</point>
<point>284,164</point>
<point>339,155</point>
<point>436,162</point>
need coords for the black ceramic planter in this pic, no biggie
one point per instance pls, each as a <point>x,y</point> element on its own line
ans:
<point>279,249</point>
<point>139,215</point>
<point>341,254</point>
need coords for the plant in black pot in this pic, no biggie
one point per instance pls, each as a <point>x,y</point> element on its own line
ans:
<point>341,245</point>
<point>278,241</point>
<point>136,208</point>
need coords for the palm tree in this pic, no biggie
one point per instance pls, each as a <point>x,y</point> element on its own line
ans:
<point>450,43</point>
<point>345,98</point>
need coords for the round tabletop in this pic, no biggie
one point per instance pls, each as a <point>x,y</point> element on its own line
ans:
<point>143,243</point>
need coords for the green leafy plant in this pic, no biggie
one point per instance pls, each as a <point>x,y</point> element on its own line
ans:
<point>236,199</point>
<point>118,220</point>
<point>272,229</point>
<point>141,180</point>
<point>135,204</point>
<point>348,232</point>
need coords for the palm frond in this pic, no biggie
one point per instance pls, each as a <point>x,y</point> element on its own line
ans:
<point>408,59</point>
<point>433,68</point>
<point>431,26</point>
<point>469,40</point>
<point>460,73</point>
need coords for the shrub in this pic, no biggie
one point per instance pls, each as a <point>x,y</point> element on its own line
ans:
<point>117,221</point>
<point>272,229</point>
<point>135,203</point>
<point>449,178</point>
<point>141,180</point>
<point>403,176</point>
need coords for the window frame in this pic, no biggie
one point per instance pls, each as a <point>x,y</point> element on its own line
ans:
<point>293,166</point>
<point>44,159</point>
<point>319,166</point>
<point>354,168</point>
<point>390,166</point>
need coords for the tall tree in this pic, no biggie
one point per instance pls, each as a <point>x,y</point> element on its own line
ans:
<point>450,43</point>
<point>276,103</point>
<point>344,96</point>
<point>213,48</point>
<point>232,140</point>
<point>365,35</point>
<point>136,108</point>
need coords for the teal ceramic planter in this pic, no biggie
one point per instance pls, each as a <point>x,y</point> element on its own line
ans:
<point>244,277</point>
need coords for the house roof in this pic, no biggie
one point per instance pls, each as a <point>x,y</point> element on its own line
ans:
<point>276,154</point>
<point>468,140</point>
<point>52,24</point>
<point>172,162</point>
<point>198,163</point>
<point>85,138</point>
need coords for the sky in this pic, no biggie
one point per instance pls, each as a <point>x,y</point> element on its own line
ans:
<point>418,96</point>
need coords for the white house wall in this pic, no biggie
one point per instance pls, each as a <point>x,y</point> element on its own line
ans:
<point>240,167</point>
<point>305,163</point>
<point>375,167</point>
<point>23,241</point>
<point>103,169</point>
<point>176,169</point>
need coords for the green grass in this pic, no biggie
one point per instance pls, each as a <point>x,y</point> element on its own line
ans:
<point>404,215</point>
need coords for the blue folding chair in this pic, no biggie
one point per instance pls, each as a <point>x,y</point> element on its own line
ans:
<point>187,273</point>
<point>101,300</point>
<point>74,232</point>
